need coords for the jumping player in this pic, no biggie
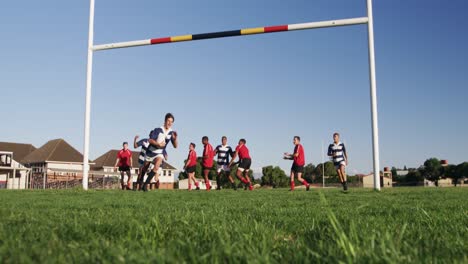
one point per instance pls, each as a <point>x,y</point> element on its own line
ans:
<point>244,163</point>
<point>207,161</point>
<point>337,151</point>
<point>158,140</point>
<point>190,166</point>
<point>298,164</point>
<point>224,152</point>
<point>125,163</point>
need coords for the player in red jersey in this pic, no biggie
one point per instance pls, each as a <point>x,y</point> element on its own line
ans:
<point>190,166</point>
<point>298,164</point>
<point>125,163</point>
<point>244,163</point>
<point>207,161</point>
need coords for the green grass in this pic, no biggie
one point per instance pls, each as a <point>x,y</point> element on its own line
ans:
<point>400,225</point>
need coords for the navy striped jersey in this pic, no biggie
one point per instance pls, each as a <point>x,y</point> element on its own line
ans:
<point>338,151</point>
<point>144,144</point>
<point>224,152</point>
<point>157,133</point>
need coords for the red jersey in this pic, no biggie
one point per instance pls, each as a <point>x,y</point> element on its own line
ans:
<point>209,153</point>
<point>300,159</point>
<point>192,158</point>
<point>124,157</point>
<point>243,152</point>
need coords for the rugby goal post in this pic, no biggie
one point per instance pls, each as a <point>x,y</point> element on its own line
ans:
<point>231,33</point>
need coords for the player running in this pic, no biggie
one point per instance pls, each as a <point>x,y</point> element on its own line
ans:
<point>190,166</point>
<point>244,163</point>
<point>144,144</point>
<point>337,151</point>
<point>207,161</point>
<point>298,164</point>
<point>125,163</point>
<point>224,152</point>
<point>158,140</point>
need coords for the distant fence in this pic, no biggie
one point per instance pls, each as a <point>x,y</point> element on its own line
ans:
<point>54,181</point>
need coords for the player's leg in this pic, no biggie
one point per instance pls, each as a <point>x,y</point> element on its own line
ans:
<point>157,163</point>
<point>343,175</point>
<point>142,173</point>
<point>247,177</point>
<point>218,178</point>
<point>206,173</point>
<point>129,178</point>
<point>303,181</point>
<point>122,175</point>
<point>291,183</point>
<point>190,175</point>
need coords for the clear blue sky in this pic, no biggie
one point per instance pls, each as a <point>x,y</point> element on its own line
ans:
<point>265,88</point>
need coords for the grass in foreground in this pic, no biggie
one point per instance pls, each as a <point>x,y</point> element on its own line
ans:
<point>394,226</point>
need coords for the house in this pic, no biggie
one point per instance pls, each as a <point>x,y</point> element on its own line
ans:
<point>183,184</point>
<point>385,180</point>
<point>105,163</point>
<point>54,164</point>
<point>13,173</point>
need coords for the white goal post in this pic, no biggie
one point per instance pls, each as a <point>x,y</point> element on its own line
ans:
<point>232,33</point>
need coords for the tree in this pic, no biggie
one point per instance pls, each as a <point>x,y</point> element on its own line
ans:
<point>394,172</point>
<point>274,176</point>
<point>404,168</point>
<point>330,172</point>
<point>413,177</point>
<point>309,173</point>
<point>432,170</point>
<point>460,171</point>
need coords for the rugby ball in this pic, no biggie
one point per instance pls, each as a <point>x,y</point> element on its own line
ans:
<point>161,138</point>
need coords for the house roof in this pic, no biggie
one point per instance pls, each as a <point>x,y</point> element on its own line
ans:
<point>54,150</point>
<point>108,160</point>
<point>19,150</point>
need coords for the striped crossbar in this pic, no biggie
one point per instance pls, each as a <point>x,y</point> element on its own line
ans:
<point>233,33</point>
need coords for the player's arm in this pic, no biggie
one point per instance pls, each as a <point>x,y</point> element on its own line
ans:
<point>116,162</point>
<point>345,154</point>
<point>131,159</point>
<point>174,139</point>
<point>330,151</point>
<point>188,162</point>
<point>234,156</point>
<point>135,145</point>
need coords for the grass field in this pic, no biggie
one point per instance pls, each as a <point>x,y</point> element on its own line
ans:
<point>423,225</point>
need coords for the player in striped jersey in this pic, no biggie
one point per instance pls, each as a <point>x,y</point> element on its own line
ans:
<point>224,152</point>
<point>159,139</point>
<point>144,165</point>
<point>244,163</point>
<point>337,151</point>
<point>298,164</point>
<point>190,167</point>
<point>207,161</point>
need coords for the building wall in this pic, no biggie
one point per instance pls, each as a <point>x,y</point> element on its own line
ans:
<point>368,181</point>
<point>15,182</point>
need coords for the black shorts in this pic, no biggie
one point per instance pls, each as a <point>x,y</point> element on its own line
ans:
<point>245,164</point>
<point>207,168</point>
<point>190,169</point>
<point>124,168</point>
<point>297,169</point>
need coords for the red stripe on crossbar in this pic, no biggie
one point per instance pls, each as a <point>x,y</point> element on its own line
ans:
<point>160,40</point>
<point>276,28</point>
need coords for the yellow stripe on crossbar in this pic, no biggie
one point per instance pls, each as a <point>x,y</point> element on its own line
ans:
<point>252,31</point>
<point>181,38</point>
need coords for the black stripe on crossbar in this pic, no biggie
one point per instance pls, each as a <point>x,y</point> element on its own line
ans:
<point>221,34</point>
